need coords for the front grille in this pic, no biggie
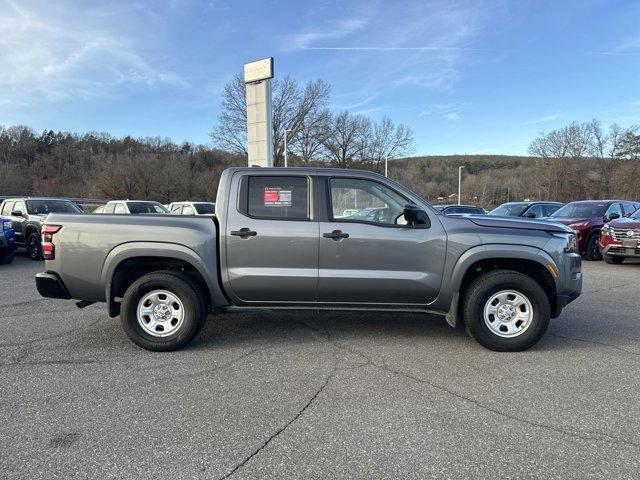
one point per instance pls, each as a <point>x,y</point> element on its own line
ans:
<point>620,233</point>
<point>623,251</point>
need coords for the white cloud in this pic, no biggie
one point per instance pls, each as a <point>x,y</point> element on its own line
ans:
<point>419,43</point>
<point>447,111</point>
<point>548,118</point>
<point>635,103</point>
<point>65,52</point>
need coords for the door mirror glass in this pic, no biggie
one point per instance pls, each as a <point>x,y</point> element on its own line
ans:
<point>416,216</point>
<point>613,216</point>
<point>16,213</point>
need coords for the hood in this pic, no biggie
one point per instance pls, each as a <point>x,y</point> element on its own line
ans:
<point>569,220</point>
<point>517,222</point>
<point>625,223</point>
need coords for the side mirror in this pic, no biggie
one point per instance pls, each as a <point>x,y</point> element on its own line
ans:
<point>416,217</point>
<point>530,215</point>
<point>16,213</point>
<point>612,216</point>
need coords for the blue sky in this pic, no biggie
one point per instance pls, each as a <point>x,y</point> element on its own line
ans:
<point>467,76</point>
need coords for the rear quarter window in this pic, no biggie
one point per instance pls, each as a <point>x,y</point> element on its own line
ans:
<point>285,197</point>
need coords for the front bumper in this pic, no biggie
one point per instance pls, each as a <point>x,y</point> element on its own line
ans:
<point>617,250</point>
<point>49,285</point>
<point>569,283</point>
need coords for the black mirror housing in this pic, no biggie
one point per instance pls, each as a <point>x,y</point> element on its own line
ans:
<point>416,216</point>
<point>613,216</point>
<point>530,215</point>
<point>16,213</point>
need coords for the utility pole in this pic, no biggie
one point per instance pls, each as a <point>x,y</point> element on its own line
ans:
<point>460,182</point>
<point>286,148</point>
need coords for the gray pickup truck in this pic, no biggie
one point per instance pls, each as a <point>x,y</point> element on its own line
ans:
<point>318,239</point>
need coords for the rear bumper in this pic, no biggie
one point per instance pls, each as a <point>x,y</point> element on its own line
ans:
<point>49,285</point>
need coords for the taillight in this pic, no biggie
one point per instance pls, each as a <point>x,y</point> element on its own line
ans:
<point>48,248</point>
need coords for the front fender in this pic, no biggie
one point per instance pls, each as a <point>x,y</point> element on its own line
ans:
<point>449,295</point>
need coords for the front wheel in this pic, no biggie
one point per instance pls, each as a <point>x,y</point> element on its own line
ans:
<point>34,247</point>
<point>162,311</point>
<point>592,251</point>
<point>506,311</point>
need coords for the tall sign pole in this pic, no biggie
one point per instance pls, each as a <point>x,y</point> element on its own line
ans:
<point>257,78</point>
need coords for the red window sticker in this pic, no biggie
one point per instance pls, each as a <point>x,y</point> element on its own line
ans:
<point>276,197</point>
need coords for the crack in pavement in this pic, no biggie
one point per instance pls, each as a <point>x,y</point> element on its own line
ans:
<point>595,342</point>
<point>49,337</point>
<point>605,289</point>
<point>599,436</point>
<point>275,434</point>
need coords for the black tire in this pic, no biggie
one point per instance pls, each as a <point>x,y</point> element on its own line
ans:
<point>34,247</point>
<point>480,292</point>
<point>7,256</point>
<point>180,286</point>
<point>592,249</point>
<point>612,260</point>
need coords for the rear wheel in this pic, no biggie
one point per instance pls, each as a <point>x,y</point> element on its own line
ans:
<point>34,248</point>
<point>592,251</point>
<point>613,260</point>
<point>162,311</point>
<point>506,311</point>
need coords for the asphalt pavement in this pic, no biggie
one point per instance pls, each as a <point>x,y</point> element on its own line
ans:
<point>319,395</point>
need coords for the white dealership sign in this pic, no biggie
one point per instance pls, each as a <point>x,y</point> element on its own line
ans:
<point>257,79</point>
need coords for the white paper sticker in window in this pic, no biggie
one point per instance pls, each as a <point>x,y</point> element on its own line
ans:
<point>276,197</point>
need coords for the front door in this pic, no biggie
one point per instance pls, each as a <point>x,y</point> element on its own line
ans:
<point>19,222</point>
<point>272,240</point>
<point>367,255</point>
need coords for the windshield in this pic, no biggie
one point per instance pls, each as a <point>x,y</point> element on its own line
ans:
<point>509,209</point>
<point>146,207</point>
<point>205,208</point>
<point>581,210</point>
<point>44,207</point>
<point>636,215</point>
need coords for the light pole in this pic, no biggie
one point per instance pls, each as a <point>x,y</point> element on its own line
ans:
<point>286,148</point>
<point>386,166</point>
<point>459,182</point>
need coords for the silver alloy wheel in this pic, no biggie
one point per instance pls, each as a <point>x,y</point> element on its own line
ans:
<point>508,313</point>
<point>160,313</point>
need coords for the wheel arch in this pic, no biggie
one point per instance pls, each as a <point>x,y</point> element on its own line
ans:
<point>128,262</point>
<point>530,261</point>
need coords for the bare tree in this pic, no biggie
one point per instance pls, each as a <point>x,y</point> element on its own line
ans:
<point>345,139</point>
<point>292,105</point>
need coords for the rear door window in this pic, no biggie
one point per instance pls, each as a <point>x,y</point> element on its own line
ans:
<point>119,209</point>
<point>188,210</point>
<point>278,198</point>
<point>109,208</point>
<point>7,208</point>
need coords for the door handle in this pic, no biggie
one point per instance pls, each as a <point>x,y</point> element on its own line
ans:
<point>336,235</point>
<point>244,233</point>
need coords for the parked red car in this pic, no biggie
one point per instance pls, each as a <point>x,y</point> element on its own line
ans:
<point>587,217</point>
<point>620,239</point>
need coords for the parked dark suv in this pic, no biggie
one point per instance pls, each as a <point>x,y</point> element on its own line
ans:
<point>28,214</point>
<point>526,209</point>
<point>460,209</point>
<point>587,217</point>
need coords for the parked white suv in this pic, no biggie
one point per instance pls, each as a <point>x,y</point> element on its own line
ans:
<point>192,208</point>
<point>133,207</point>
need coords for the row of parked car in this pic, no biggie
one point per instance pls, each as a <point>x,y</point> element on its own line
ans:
<point>22,217</point>
<point>606,229</point>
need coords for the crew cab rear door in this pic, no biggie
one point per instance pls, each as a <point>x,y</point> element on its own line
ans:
<point>272,239</point>
<point>370,257</point>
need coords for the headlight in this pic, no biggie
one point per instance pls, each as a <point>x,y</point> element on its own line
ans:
<point>7,225</point>
<point>578,225</point>
<point>572,244</point>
